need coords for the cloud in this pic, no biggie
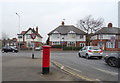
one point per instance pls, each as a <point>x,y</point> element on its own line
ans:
<point>48,14</point>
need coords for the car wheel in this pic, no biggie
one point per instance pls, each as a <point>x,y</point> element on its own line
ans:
<point>13,51</point>
<point>82,56</point>
<point>3,51</point>
<point>112,62</point>
<point>79,54</point>
<point>87,56</point>
<point>100,57</point>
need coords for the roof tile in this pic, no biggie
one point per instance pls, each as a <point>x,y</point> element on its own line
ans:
<point>64,29</point>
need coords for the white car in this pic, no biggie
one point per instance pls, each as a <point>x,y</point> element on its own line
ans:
<point>91,51</point>
<point>38,48</point>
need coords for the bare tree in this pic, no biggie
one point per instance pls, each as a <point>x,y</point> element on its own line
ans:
<point>90,26</point>
<point>4,38</point>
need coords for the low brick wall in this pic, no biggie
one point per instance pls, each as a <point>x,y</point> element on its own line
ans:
<point>55,49</point>
<point>112,49</point>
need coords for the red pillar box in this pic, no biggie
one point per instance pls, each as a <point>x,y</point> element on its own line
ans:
<point>46,59</point>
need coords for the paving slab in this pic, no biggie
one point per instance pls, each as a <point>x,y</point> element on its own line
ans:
<point>16,68</point>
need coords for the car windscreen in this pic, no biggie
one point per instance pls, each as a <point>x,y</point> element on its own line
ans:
<point>94,48</point>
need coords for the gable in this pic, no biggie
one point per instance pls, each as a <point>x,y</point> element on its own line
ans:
<point>55,32</point>
<point>29,32</point>
<point>71,32</point>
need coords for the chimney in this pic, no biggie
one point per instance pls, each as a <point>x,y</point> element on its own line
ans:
<point>37,29</point>
<point>62,23</point>
<point>109,25</point>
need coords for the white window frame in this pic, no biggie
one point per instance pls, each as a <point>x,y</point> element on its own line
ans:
<point>55,43</point>
<point>56,35</point>
<point>82,44</point>
<point>28,36</point>
<point>81,36</point>
<point>110,44</point>
<point>71,43</point>
<point>29,44</point>
<point>101,36</point>
<point>20,36</point>
<point>119,44</point>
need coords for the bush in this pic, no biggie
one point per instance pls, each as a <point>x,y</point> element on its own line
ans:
<point>72,48</point>
<point>77,48</point>
<point>57,46</point>
<point>67,48</point>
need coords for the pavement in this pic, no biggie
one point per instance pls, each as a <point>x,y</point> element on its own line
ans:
<point>22,68</point>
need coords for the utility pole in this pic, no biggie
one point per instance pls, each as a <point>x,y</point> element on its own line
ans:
<point>19,31</point>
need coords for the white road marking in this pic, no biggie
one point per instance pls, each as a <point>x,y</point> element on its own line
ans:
<point>106,71</point>
<point>62,67</point>
<point>74,73</point>
<point>73,69</point>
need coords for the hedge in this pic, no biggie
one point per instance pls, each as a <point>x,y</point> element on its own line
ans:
<point>72,48</point>
<point>65,47</point>
<point>57,46</point>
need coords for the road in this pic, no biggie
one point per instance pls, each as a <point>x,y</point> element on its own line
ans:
<point>93,68</point>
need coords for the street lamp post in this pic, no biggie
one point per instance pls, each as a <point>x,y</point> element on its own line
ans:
<point>62,42</point>
<point>19,31</point>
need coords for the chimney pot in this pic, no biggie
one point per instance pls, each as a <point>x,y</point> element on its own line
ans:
<point>110,25</point>
<point>62,23</point>
<point>37,29</point>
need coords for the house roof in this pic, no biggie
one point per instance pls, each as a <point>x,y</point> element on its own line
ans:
<point>24,32</point>
<point>64,29</point>
<point>109,30</point>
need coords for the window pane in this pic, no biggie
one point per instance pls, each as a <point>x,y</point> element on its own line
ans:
<point>110,45</point>
<point>118,44</point>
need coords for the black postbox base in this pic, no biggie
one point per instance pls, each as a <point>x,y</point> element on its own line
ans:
<point>45,70</point>
<point>32,56</point>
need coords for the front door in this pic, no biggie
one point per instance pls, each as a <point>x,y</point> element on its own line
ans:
<point>101,45</point>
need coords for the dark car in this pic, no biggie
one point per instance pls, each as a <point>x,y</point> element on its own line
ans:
<point>9,49</point>
<point>113,59</point>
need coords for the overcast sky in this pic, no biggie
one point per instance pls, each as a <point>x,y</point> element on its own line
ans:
<point>48,14</point>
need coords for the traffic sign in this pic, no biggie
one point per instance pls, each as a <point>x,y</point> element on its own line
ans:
<point>33,35</point>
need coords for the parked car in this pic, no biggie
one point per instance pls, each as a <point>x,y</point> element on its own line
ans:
<point>38,48</point>
<point>113,59</point>
<point>9,49</point>
<point>91,51</point>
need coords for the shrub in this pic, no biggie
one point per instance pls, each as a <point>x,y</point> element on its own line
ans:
<point>67,48</point>
<point>77,48</point>
<point>57,46</point>
<point>72,48</point>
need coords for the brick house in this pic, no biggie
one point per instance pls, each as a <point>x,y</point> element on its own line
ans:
<point>68,35</point>
<point>108,38</point>
<point>9,42</point>
<point>25,40</point>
